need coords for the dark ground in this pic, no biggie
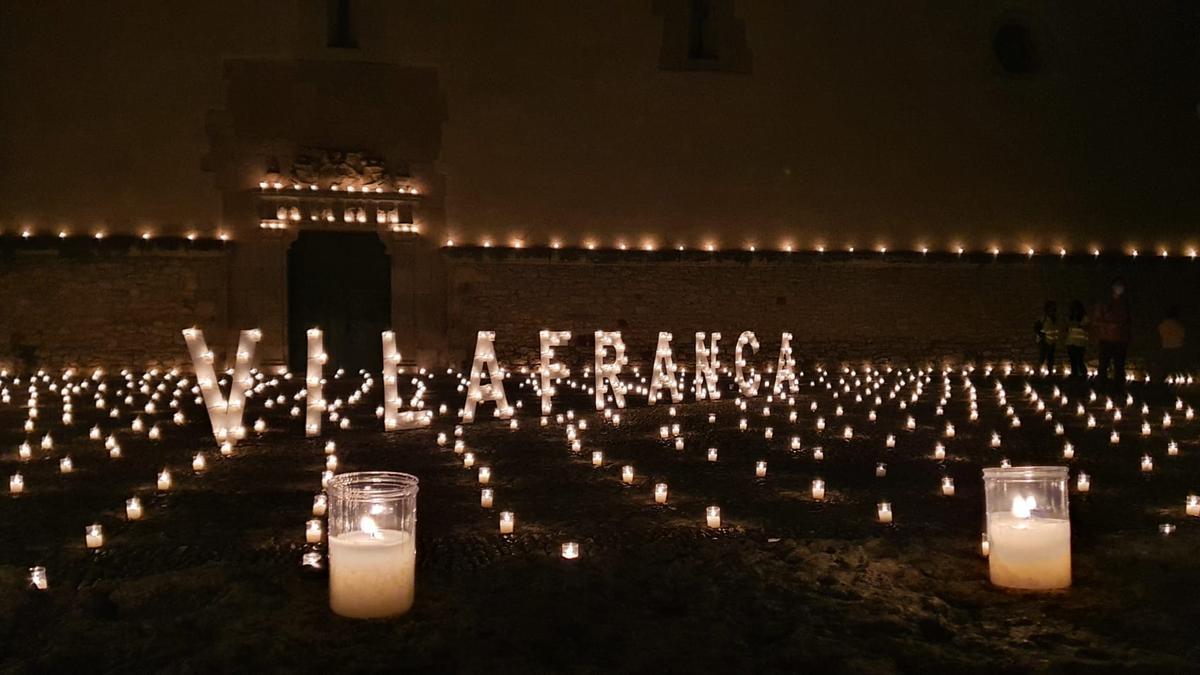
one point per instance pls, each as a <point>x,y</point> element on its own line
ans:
<point>211,581</point>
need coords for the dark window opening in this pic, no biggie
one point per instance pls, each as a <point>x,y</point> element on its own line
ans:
<point>1014,49</point>
<point>338,31</point>
<point>702,38</point>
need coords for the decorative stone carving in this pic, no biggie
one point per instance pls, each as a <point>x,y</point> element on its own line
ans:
<point>340,170</point>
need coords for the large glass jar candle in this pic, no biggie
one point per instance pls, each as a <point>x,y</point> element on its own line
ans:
<point>372,543</point>
<point>1028,527</point>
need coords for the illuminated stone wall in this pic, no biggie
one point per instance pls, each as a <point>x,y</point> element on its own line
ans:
<point>99,307</point>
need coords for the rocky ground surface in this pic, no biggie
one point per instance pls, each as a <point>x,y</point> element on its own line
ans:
<point>211,580</point>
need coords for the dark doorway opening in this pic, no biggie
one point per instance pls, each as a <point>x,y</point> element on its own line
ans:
<point>340,282</point>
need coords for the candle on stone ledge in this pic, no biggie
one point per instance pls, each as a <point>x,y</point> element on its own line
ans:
<point>508,522</point>
<point>133,508</point>
<point>712,516</point>
<point>985,546</point>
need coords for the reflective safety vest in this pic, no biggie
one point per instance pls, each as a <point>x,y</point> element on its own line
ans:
<point>1049,331</point>
<point>1077,333</point>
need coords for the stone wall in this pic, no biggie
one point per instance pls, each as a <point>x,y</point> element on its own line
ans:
<point>107,306</point>
<point>841,307</point>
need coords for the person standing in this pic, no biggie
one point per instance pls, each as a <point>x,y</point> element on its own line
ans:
<point>1171,335</point>
<point>1078,330</point>
<point>1045,331</point>
<point>1113,325</point>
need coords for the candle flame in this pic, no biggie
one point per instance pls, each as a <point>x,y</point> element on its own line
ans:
<point>367,524</point>
<point>1022,507</point>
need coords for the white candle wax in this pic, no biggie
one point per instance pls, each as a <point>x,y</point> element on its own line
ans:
<point>1193,505</point>
<point>1029,553</point>
<point>485,498</point>
<point>885,512</point>
<point>627,474</point>
<point>948,486</point>
<point>712,454</point>
<point>713,516</point>
<point>312,532</point>
<point>133,508</point>
<point>320,503</point>
<point>597,458</point>
<point>508,521</point>
<point>1083,483</point>
<point>94,536</point>
<point>818,489</point>
<point>164,480</point>
<point>485,475</point>
<point>372,575</point>
<point>570,550</point>
<point>660,493</point>
<point>760,469</point>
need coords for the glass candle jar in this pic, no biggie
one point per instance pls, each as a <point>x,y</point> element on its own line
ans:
<point>372,543</point>
<point>1028,527</point>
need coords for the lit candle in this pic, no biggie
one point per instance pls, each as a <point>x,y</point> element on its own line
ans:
<point>1030,543</point>
<point>1083,482</point>
<point>660,493</point>
<point>1172,449</point>
<point>948,486</point>
<point>312,532</point>
<point>818,453</point>
<point>679,444</point>
<point>985,546</point>
<point>627,474</point>
<point>485,475</point>
<point>320,503</point>
<point>485,498</point>
<point>760,469</point>
<point>713,516</point>
<point>818,489</point>
<point>1193,505</point>
<point>133,508</point>
<point>1068,450</point>
<point>712,454</point>
<point>597,458</point>
<point>885,512</point>
<point>939,451</point>
<point>372,571</point>
<point>570,550</point>
<point>16,484</point>
<point>65,465</point>
<point>1147,464</point>
<point>507,522</point>
<point>881,470</point>
<point>891,441</point>
<point>199,463</point>
<point>38,578</point>
<point>469,460</point>
<point>164,480</point>
<point>94,536</point>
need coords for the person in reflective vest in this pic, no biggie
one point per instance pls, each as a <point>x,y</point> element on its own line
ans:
<point>1078,334</point>
<point>1045,330</point>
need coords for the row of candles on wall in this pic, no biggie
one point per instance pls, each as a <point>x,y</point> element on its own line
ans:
<point>242,379</point>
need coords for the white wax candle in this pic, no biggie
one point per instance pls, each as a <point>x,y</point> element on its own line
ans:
<point>372,575</point>
<point>597,458</point>
<point>133,508</point>
<point>1193,505</point>
<point>66,465</point>
<point>660,493</point>
<point>312,532</point>
<point>469,460</point>
<point>948,486</point>
<point>985,546</point>
<point>94,536</point>
<point>627,474</point>
<point>320,503</point>
<point>885,512</point>
<point>713,516</point>
<point>16,484</point>
<point>818,489</point>
<point>679,444</point>
<point>891,441</point>
<point>1083,483</point>
<point>570,550</point>
<point>199,463</point>
<point>881,470</point>
<point>712,454</point>
<point>760,469</point>
<point>485,498</point>
<point>37,577</point>
<point>508,521</point>
<point>818,453</point>
<point>164,480</point>
<point>1147,464</point>
<point>485,475</point>
<point>1029,552</point>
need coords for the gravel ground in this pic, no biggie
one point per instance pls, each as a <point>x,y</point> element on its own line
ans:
<point>211,579</point>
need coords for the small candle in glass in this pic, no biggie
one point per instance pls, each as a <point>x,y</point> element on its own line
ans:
<point>164,480</point>
<point>881,470</point>
<point>985,546</point>
<point>660,493</point>
<point>66,465</point>
<point>570,550</point>
<point>1083,482</point>
<point>469,460</point>
<point>627,474</point>
<point>713,516</point>
<point>485,497</point>
<point>947,486</point>
<point>313,531</point>
<point>1147,463</point>
<point>679,443</point>
<point>133,508</point>
<point>199,463</point>
<point>508,522</point>
<point>1193,505</point>
<point>38,578</point>
<point>93,535</point>
<point>485,475</point>
<point>597,458</point>
<point>320,503</point>
<point>885,512</point>
<point>818,453</point>
<point>818,489</point>
<point>760,469</point>
<point>712,454</point>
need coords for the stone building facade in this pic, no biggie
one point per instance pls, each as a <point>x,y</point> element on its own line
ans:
<point>642,165</point>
